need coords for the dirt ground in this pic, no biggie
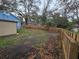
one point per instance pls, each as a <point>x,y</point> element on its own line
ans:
<point>32,49</point>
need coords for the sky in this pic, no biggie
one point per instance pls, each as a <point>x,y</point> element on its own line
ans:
<point>53,5</point>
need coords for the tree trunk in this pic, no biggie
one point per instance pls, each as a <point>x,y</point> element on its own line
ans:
<point>26,21</point>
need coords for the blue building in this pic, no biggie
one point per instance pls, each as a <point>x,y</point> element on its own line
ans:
<point>9,23</point>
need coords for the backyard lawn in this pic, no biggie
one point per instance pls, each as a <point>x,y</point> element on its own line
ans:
<point>33,37</point>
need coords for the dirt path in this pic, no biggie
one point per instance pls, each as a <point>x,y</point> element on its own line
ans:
<point>52,48</point>
<point>49,50</point>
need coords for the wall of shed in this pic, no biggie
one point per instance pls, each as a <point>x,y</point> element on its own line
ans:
<point>7,28</point>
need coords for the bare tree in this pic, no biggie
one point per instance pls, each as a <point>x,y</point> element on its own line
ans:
<point>45,10</point>
<point>70,6</point>
<point>30,8</point>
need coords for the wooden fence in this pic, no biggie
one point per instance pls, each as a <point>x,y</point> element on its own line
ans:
<point>69,40</point>
<point>70,43</point>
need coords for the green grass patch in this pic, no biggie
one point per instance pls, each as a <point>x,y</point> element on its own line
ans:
<point>39,38</point>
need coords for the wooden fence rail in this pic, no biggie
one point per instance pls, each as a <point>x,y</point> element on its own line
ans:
<point>69,40</point>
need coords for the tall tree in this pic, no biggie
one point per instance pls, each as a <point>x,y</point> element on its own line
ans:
<point>30,8</point>
<point>45,10</point>
<point>70,7</point>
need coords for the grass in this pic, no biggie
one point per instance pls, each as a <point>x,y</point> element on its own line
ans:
<point>24,36</point>
<point>4,42</point>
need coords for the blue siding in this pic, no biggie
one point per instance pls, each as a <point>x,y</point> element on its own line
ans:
<point>5,16</point>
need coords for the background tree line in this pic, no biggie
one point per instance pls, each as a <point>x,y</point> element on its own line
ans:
<point>58,16</point>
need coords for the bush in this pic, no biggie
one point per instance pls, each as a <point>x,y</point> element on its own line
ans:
<point>22,30</point>
<point>61,22</point>
<point>50,23</point>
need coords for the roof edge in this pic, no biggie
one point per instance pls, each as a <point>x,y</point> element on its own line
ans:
<point>8,21</point>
